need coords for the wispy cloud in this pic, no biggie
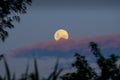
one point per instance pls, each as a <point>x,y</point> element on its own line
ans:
<point>104,42</point>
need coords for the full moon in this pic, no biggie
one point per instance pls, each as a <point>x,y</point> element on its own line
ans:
<point>61,34</point>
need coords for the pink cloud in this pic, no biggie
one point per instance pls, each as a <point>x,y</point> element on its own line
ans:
<point>105,41</point>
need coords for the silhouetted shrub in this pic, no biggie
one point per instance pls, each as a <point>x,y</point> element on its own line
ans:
<point>9,12</point>
<point>108,67</point>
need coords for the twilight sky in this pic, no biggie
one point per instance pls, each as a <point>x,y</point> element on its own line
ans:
<point>81,18</point>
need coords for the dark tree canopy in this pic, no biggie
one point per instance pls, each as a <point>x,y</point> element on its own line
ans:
<point>108,67</point>
<point>9,12</point>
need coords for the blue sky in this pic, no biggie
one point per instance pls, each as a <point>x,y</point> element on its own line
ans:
<point>80,18</point>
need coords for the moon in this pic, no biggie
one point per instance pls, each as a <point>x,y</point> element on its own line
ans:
<point>61,34</point>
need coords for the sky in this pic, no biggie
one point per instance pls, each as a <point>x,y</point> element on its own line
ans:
<point>81,18</point>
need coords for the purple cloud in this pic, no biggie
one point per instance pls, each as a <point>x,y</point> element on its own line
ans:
<point>104,41</point>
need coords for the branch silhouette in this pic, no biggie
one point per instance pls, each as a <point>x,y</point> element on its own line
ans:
<point>9,12</point>
<point>108,67</point>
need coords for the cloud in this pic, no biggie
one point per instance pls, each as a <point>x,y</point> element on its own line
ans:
<point>47,60</point>
<point>71,45</point>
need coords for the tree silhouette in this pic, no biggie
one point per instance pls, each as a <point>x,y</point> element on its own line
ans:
<point>9,12</point>
<point>108,67</point>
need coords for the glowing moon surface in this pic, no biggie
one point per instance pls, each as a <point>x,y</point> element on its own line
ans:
<point>61,34</point>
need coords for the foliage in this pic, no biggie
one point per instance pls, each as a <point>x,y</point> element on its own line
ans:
<point>8,75</point>
<point>25,75</point>
<point>9,12</point>
<point>35,75</point>
<point>108,67</point>
<point>55,74</point>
